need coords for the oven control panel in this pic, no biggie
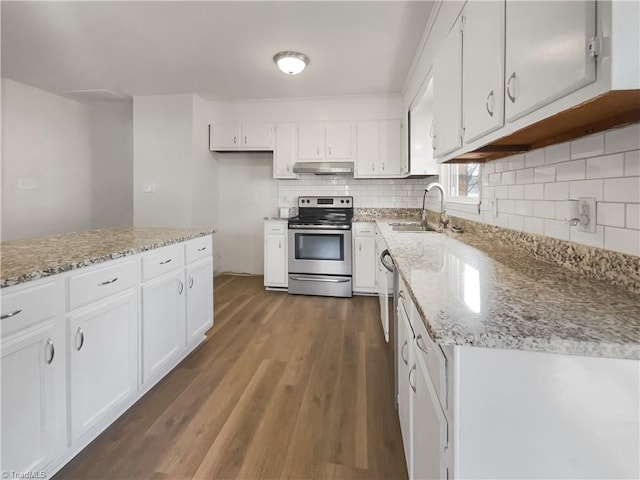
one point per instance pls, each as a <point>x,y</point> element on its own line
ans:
<point>324,202</point>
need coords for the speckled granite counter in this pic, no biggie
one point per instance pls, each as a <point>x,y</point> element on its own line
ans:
<point>472,291</point>
<point>25,260</point>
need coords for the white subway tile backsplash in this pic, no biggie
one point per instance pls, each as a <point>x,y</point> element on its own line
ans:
<point>516,162</point>
<point>508,178</point>
<point>632,163</point>
<point>556,191</point>
<point>622,240</point>
<point>595,239</point>
<point>633,216</point>
<point>501,165</point>
<point>488,167</point>
<point>570,171</point>
<point>622,190</point>
<point>515,222</point>
<point>544,209</point>
<point>516,191</point>
<point>534,158</point>
<point>556,229</point>
<point>502,192</point>
<point>506,206</point>
<point>524,176</point>
<point>524,207</point>
<point>534,191</point>
<point>557,153</point>
<point>534,225</point>
<point>588,146</point>
<point>606,166</point>
<point>544,174</point>
<point>586,188</point>
<point>622,139</point>
<point>611,214</point>
<point>495,179</point>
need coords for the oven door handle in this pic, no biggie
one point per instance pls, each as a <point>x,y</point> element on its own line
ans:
<point>319,279</point>
<point>384,254</point>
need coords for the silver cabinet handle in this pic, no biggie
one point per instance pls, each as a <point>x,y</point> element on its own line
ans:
<point>421,347</point>
<point>280,244</point>
<point>190,282</point>
<point>52,351</point>
<point>512,78</point>
<point>180,287</point>
<point>329,150</point>
<point>373,167</point>
<point>383,166</point>
<point>202,249</point>
<point>235,139</point>
<point>493,101</point>
<point>107,282</point>
<point>245,139</point>
<point>405,344</point>
<point>385,253</point>
<point>166,261</point>
<point>287,167</point>
<point>319,279</point>
<point>80,333</point>
<point>365,231</point>
<point>413,369</point>
<point>11,314</point>
<point>360,247</point>
<point>317,150</point>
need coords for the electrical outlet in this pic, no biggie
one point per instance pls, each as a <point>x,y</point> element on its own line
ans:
<point>587,207</point>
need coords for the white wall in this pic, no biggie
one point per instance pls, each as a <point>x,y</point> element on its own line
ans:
<point>248,193</point>
<point>75,159</point>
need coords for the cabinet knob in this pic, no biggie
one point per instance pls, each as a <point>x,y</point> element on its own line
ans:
<point>190,282</point>
<point>373,167</point>
<point>51,350</point>
<point>413,369</point>
<point>280,244</point>
<point>318,151</point>
<point>329,150</point>
<point>493,101</point>
<point>405,360</point>
<point>79,335</point>
<point>245,139</point>
<point>235,139</point>
<point>510,82</point>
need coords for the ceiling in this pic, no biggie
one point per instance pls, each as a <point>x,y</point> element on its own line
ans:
<point>219,50</point>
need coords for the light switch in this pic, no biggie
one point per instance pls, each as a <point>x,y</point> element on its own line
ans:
<point>149,188</point>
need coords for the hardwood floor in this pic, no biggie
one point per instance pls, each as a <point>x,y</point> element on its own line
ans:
<point>289,387</point>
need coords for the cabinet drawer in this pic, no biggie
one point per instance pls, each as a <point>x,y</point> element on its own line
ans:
<point>27,306</point>
<point>198,248</point>
<point>432,355</point>
<point>165,260</point>
<point>364,229</point>
<point>101,282</point>
<point>275,227</point>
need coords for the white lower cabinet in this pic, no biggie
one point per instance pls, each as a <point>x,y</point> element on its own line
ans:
<point>275,254</point>
<point>364,257</point>
<point>405,370</point>
<point>103,359</point>
<point>199,299</point>
<point>163,323</point>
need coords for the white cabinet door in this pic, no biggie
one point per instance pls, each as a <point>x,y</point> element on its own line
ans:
<point>257,136</point>
<point>483,68</point>
<point>447,94</point>
<point>547,54</point>
<point>429,426</point>
<point>389,139</point>
<point>103,370</point>
<point>275,261</point>
<point>310,140</point>
<point>163,323</point>
<point>224,136</point>
<point>28,396</point>
<point>339,140</point>
<point>364,264</point>
<point>199,299</point>
<point>366,164</point>
<point>284,152</point>
<point>405,366</point>
<point>421,144</point>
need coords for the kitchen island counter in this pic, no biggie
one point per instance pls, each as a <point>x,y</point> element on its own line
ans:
<point>30,259</point>
<point>473,291</point>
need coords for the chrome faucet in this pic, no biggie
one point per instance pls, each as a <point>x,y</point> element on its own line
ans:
<point>444,221</point>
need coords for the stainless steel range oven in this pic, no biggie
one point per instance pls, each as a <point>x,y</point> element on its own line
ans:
<point>320,247</point>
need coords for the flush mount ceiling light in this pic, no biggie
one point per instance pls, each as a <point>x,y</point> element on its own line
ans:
<point>291,63</point>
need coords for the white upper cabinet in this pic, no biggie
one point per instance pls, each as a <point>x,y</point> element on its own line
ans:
<point>311,140</point>
<point>421,159</point>
<point>547,52</point>
<point>235,136</point>
<point>483,68</point>
<point>326,140</point>
<point>284,151</point>
<point>447,94</point>
<point>378,149</point>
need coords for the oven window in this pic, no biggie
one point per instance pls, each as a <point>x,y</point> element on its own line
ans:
<point>314,246</point>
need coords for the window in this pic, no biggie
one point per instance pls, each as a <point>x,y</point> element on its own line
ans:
<point>464,182</point>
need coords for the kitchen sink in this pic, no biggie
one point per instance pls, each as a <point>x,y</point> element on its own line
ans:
<point>411,227</point>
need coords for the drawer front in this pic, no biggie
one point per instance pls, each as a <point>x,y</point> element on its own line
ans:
<point>199,248</point>
<point>163,261</point>
<point>101,282</point>
<point>364,229</point>
<point>432,355</point>
<point>272,227</point>
<point>24,307</point>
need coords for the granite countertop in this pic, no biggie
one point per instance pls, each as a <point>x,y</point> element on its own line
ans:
<point>472,291</point>
<point>30,259</point>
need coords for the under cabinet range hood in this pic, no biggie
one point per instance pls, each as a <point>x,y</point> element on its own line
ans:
<point>323,168</point>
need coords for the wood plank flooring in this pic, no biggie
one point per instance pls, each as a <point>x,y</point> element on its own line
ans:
<point>285,387</point>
